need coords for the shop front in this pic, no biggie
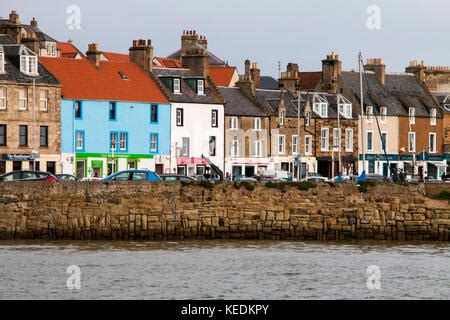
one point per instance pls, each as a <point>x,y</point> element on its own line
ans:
<point>192,166</point>
<point>43,162</point>
<point>387,165</point>
<point>248,167</point>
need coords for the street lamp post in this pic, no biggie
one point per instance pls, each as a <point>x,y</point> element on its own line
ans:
<point>299,163</point>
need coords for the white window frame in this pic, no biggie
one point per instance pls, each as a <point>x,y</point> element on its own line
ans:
<point>325,139</point>
<point>307,118</point>
<point>412,115</point>
<point>179,117</point>
<point>123,142</point>
<point>349,139</point>
<point>337,137</point>
<point>345,109</point>
<point>79,140</point>
<point>185,148</point>
<point>176,85</point>
<point>308,145</point>
<point>234,123</point>
<point>383,114</point>
<point>23,63</point>
<point>153,142</point>
<point>43,101</point>
<point>369,114</point>
<point>281,144</point>
<point>2,62</point>
<point>324,110</point>
<point>282,117</point>
<point>411,135</point>
<point>201,87</point>
<point>367,140</point>
<point>29,65</point>
<point>113,142</point>
<point>433,116</point>
<point>257,148</point>
<point>23,99</point>
<point>257,124</point>
<point>234,149</point>
<point>386,142</point>
<point>3,98</point>
<point>432,134</point>
<point>295,145</point>
<point>214,118</point>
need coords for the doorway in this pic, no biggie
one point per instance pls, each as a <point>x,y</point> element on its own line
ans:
<point>249,171</point>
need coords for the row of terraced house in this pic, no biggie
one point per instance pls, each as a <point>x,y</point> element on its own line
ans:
<point>95,113</point>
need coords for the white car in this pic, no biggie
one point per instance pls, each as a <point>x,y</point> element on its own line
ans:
<point>90,179</point>
<point>315,179</point>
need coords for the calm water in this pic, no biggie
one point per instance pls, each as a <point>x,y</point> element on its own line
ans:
<point>223,270</point>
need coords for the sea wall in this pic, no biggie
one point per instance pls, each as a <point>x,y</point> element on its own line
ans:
<point>175,211</point>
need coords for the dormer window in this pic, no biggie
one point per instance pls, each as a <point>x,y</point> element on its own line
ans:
<point>2,62</point>
<point>176,85</point>
<point>369,113</point>
<point>28,65</point>
<point>320,106</point>
<point>383,114</point>
<point>345,110</point>
<point>412,115</point>
<point>200,87</point>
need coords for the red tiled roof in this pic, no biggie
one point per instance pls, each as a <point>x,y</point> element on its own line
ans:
<point>81,79</point>
<point>222,76</point>
<point>116,57</point>
<point>68,50</point>
<point>169,63</point>
<point>309,80</point>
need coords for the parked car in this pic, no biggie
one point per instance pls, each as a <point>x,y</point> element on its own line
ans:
<point>133,175</point>
<point>169,177</point>
<point>374,177</point>
<point>27,175</point>
<point>315,179</point>
<point>200,178</point>
<point>246,179</point>
<point>90,179</point>
<point>278,174</point>
<point>66,177</point>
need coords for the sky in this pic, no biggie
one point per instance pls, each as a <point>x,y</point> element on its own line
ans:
<point>264,31</point>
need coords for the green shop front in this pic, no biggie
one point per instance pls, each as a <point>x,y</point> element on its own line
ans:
<point>101,165</point>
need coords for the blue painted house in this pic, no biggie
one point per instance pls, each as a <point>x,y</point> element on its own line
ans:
<point>114,116</point>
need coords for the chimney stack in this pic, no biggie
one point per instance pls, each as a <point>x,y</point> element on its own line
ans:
<point>331,72</point>
<point>141,53</point>
<point>245,83</point>
<point>34,23</point>
<point>202,41</point>
<point>14,17</point>
<point>255,74</point>
<point>94,54</point>
<point>189,40</point>
<point>290,80</point>
<point>31,42</point>
<point>376,65</point>
<point>418,69</point>
<point>197,61</point>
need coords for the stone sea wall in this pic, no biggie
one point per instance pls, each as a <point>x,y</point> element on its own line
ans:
<point>175,211</point>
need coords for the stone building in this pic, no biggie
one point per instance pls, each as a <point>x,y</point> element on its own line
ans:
<point>30,102</point>
<point>29,35</point>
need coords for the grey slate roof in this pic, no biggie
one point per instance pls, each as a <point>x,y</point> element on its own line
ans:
<point>213,60</point>
<point>268,83</point>
<point>272,99</point>
<point>5,39</point>
<point>238,104</point>
<point>187,95</point>
<point>12,68</point>
<point>41,36</point>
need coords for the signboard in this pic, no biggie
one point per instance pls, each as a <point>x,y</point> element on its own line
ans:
<point>191,161</point>
<point>20,157</point>
<point>116,155</point>
<point>380,157</point>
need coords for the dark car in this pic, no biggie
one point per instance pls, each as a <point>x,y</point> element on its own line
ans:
<point>28,175</point>
<point>133,175</point>
<point>66,177</point>
<point>176,177</point>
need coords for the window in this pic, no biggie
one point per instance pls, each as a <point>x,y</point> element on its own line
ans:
<point>153,142</point>
<point>212,146</point>
<point>2,62</point>
<point>383,112</point>
<point>282,116</point>
<point>214,118</point>
<point>185,147</point>
<point>257,148</point>
<point>337,139</point>
<point>43,136</point>
<point>233,123</point>
<point>51,167</point>
<point>384,141</point>
<point>180,117</point>
<point>324,139</point>
<point>154,113</point>
<point>349,140</point>
<point>123,143</point>
<point>412,115</point>
<point>257,124</point>
<point>295,145</point>
<point>200,87</point>
<point>113,141</point>
<point>23,135</point>
<point>28,65</point>
<point>78,110</point>
<point>22,99</point>
<point>3,136</point>
<point>432,142</point>
<point>281,144</point>
<point>2,98</point>
<point>79,143</point>
<point>23,63</point>
<point>307,118</point>
<point>43,100</point>
<point>432,116</point>
<point>324,110</point>
<point>369,141</point>
<point>345,110</point>
<point>371,166</point>
<point>369,113</point>
<point>308,145</point>
<point>176,85</point>
<point>112,111</point>
<point>234,150</point>
<point>122,75</point>
<point>412,142</point>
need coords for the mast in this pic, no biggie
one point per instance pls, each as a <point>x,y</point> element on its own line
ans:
<point>362,113</point>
